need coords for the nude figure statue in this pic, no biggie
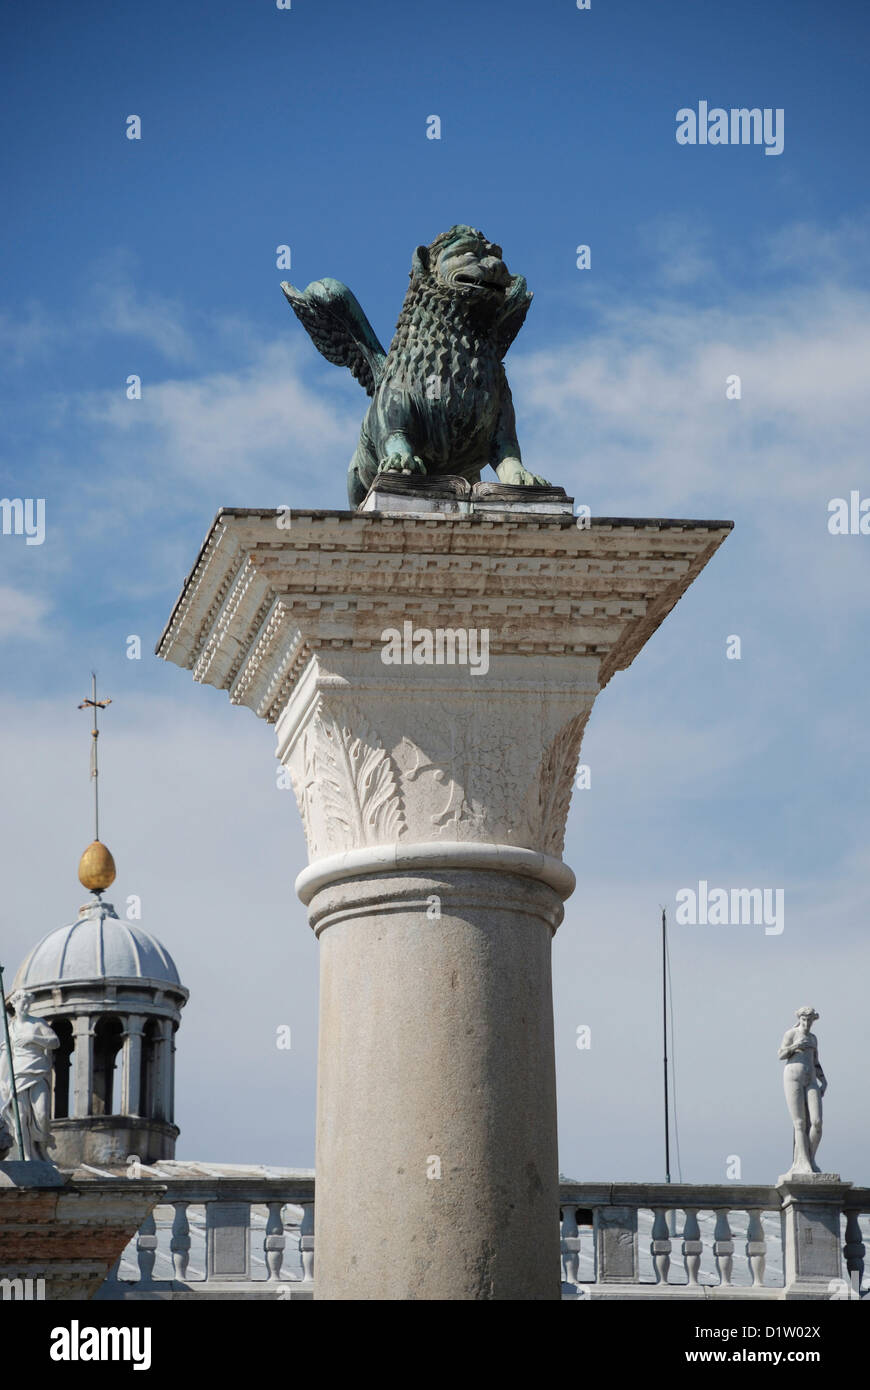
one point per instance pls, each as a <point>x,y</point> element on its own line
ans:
<point>805,1084</point>
<point>33,1042</point>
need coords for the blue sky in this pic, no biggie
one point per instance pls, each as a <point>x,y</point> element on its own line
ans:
<point>157,257</point>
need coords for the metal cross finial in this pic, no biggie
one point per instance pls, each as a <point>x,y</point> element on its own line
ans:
<point>95,704</point>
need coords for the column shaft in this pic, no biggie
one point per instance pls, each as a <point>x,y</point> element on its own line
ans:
<point>131,1083</point>
<point>436,1128</point>
<point>83,1066</point>
<point>163,1070</point>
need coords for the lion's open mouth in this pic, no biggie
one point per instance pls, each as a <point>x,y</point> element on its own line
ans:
<point>475,283</point>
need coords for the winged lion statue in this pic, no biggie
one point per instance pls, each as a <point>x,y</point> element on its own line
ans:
<point>440,403</point>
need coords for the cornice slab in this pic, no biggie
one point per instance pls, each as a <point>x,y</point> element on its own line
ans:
<point>262,598</point>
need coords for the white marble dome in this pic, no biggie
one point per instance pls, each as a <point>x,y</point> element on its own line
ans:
<point>97,946</point>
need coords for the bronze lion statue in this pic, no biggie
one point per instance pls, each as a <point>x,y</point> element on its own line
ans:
<point>440,398</point>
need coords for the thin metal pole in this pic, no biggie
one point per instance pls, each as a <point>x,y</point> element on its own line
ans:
<point>665,1038</point>
<point>95,704</point>
<point>21,1152</point>
<point>96,734</point>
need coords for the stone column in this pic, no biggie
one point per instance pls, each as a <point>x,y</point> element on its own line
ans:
<point>81,1100</point>
<point>436,1086</point>
<point>170,1114</point>
<point>435,890</point>
<point>162,1070</point>
<point>434,793</point>
<point>131,1076</point>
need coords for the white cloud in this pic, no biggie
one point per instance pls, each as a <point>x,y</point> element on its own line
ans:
<point>639,406</point>
<point>680,250</point>
<point>30,335</point>
<point>126,313</point>
<point>237,426</point>
<point>109,302</point>
<point>814,251</point>
<point>21,613</point>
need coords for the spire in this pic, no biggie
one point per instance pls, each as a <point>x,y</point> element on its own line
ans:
<point>96,866</point>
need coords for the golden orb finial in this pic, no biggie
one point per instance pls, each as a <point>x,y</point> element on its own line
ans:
<point>96,868</point>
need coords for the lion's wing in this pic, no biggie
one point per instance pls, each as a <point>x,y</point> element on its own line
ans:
<point>331,315</point>
<point>512,317</point>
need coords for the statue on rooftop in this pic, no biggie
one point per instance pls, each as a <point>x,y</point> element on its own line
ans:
<point>805,1084</point>
<point>33,1042</point>
<point>441,403</point>
<point>7,1138</point>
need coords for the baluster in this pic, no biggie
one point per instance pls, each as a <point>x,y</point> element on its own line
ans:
<point>146,1249</point>
<point>692,1246</point>
<point>854,1250</point>
<point>275,1240</point>
<point>660,1246</point>
<point>570,1244</point>
<point>756,1249</point>
<point>180,1243</point>
<point>723,1246</point>
<point>306,1241</point>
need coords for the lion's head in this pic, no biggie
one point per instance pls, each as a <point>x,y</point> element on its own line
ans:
<point>461,298</point>
<point>464,263</point>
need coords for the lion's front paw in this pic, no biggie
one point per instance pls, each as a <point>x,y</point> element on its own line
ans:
<point>512,471</point>
<point>401,463</point>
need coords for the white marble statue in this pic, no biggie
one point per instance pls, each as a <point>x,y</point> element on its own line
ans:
<point>7,1138</point>
<point>805,1084</point>
<point>33,1042</point>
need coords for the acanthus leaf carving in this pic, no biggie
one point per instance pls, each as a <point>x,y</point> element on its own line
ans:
<point>356,782</point>
<point>557,782</point>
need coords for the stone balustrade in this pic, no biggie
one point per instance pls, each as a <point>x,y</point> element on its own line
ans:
<point>249,1233</point>
<point>222,1232</point>
<point>681,1240</point>
<point>671,1240</point>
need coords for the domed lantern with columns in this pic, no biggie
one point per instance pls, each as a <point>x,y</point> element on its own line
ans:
<point>112,994</point>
